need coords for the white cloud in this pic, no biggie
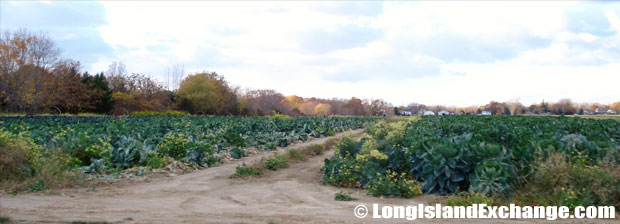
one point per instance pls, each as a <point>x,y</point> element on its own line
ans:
<point>614,21</point>
<point>453,53</point>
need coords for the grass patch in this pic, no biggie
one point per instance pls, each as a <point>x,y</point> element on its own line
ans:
<point>295,155</point>
<point>245,171</point>
<point>279,161</point>
<point>276,161</point>
<point>15,161</point>
<point>341,196</point>
<point>330,143</point>
<point>560,181</point>
<point>313,150</point>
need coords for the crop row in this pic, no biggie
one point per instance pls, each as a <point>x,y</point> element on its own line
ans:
<point>490,155</point>
<point>103,143</point>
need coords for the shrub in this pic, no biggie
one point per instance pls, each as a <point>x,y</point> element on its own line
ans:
<point>14,162</point>
<point>175,113</point>
<point>24,166</point>
<point>275,162</point>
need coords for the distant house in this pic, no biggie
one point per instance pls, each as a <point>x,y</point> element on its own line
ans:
<point>406,113</point>
<point>586,112</point>
<point>485,112</point>
<point>429,112</point>
<point>610,111</point>
<point>443,112</point>
<point>600,110</point>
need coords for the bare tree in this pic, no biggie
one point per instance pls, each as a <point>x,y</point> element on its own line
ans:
<point>378,105</point>
<point>175,74</point>
<point>266,101</point>
<point>117,68</point>
<point>117,77</point>
<point>514,106</point>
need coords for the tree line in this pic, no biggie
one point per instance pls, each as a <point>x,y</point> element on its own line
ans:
<point>34,79</point>
<point>561,107</point>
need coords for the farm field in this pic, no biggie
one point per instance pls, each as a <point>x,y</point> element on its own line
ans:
<point>107,145</point>
<point>453,160</point>
<point>493,159</point>
<point>392,162</point>
<point>275,112</point>
<point>613,117</point>
<point>291,195</point>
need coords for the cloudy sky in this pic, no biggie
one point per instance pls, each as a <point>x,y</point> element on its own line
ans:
<point>450,53</point>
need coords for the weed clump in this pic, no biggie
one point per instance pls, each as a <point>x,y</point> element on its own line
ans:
<point>341,196</point>
<point>244,171</point>
<point>276,161</point>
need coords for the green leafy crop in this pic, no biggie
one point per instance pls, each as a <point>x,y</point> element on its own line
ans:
<point>101,143</point>
<point>491,155</point>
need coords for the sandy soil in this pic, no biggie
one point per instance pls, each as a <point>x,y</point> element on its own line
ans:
<point>291,195</point>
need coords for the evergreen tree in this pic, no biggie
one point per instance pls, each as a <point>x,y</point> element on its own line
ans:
<point>102,94</point>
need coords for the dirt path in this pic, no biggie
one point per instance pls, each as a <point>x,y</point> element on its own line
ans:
<point>291,195</point>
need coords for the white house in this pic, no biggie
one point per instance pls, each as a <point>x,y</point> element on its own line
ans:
<point>485,112</point>
<point>429,112</point>
<point>406,113</point>
<point>600,110</point>
<point>610,111</point>
<point>443,112</point>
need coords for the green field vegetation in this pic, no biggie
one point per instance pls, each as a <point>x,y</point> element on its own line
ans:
<point>613,117</point>
<point>39,152</point>
<point>495,159</point>
<point>279,161</point>
<point>341,196</point>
